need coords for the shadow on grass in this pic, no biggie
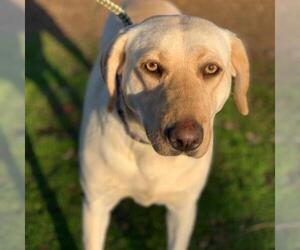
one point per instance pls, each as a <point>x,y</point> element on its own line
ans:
<point>56,106</point>
<point>39,70</point>
<point>37,22</point>
<point>140,227</point>
<point>62,230</point>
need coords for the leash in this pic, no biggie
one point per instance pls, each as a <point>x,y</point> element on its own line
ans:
<point>117,10</point>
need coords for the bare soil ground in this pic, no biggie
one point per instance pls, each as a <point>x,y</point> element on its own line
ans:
<point>252,20</point>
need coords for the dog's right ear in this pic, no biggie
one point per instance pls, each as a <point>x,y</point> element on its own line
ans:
<point>111,64</point>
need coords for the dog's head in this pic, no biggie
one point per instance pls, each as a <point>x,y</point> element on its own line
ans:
<point>176,75</point>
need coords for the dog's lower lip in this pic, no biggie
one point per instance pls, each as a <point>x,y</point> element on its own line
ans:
<point>191,154</point>
<point>176,152</point>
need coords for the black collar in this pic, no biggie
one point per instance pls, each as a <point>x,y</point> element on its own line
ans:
<point>121,110</point>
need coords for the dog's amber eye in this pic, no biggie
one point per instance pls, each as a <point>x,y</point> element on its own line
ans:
<point>210,69</point>
<point>153,67</point>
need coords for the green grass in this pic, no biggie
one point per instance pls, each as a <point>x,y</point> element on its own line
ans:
<point>236,210</point>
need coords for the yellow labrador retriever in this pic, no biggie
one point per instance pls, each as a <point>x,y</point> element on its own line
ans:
<point>147,129</point>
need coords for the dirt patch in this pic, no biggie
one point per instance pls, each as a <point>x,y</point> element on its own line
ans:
<point>82,21</point>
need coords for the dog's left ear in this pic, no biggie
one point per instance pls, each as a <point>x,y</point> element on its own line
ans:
<point>240,64</point>
<point>112,61</point>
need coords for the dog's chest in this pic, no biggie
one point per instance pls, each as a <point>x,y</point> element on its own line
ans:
<point>144,191</point>
<point>157,181</point>
<point>147,191</point>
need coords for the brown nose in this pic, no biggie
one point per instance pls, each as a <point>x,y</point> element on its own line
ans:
<point>185,135</point>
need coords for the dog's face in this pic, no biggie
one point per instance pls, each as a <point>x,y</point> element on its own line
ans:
<point>176,75</point>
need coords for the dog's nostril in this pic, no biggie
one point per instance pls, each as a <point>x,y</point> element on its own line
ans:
<point>186,135</point>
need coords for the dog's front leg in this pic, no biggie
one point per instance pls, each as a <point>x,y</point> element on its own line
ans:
<point>180,222</point>
<point>96,218</point>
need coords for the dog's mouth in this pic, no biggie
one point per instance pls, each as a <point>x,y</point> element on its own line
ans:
<point>169,151</point>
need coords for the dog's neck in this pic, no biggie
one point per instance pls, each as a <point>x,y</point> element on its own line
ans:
<point>129,120</point>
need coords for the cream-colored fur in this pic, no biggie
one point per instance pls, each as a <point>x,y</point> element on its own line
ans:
<point>113,165</point>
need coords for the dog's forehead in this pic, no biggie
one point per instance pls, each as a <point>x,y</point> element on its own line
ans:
<point>180,34</point>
